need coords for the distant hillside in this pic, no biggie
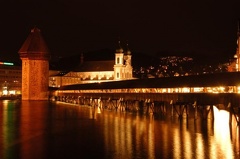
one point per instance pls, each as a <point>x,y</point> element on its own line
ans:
<point>138,59</point>
<point>143,60</point>
<point>210,59</point>
<point>202,59</point>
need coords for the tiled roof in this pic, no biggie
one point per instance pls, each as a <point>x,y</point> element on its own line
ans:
<point>93,66</point>
<point>208,80</point>
<point>34,46</point>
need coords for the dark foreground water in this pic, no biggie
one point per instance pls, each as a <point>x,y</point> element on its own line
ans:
<point>39,130</point>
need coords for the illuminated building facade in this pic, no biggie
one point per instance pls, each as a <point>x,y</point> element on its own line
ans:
<point>10,79</point>
<point>96,71</point>
<point>122,67</point>
<point>35,67</point>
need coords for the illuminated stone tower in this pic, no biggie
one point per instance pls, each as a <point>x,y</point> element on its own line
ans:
<point>119,63</point>
<point>35,67</point>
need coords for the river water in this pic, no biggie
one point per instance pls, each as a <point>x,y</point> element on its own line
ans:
<point>51,130</point>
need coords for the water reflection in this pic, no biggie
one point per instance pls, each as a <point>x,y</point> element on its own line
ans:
<point>39,129</point>
<point>8,126</point>
<point>222,135</point>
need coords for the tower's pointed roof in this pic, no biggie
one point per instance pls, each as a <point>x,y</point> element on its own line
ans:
<point>34,46</point>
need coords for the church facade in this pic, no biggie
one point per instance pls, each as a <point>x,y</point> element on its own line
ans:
<point>234,65</point>
<point>117,69</point>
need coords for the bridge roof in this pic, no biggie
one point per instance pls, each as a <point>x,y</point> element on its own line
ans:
<point>208,80</point>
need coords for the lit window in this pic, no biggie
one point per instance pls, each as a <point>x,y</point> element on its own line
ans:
<point>5,92</point>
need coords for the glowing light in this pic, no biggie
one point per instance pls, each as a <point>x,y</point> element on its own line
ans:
<point>176,90</point>
<point>238,89</point>
<point>221,89</point>
<point>199,146</point>
<point>6,63</point>
<point>5,92</point>
<point>13,92</point>
<point>186,90</point>
<point>222,130</point>
<point>197,89</point>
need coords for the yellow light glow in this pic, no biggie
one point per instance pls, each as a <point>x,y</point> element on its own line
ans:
<point>5,92</point>
<point>221,89</point>
<point>197,89</point>
<point>222,130</point>
<point>186,90</point>
<point>13,92</point>
<point>238,89</point>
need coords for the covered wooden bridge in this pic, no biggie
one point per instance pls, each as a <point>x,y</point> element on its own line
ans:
<point>158,94</point>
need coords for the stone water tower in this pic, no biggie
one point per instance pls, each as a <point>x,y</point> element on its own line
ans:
<point>35,57</point>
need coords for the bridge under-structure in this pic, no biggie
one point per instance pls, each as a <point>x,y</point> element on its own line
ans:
<point>175,96</point>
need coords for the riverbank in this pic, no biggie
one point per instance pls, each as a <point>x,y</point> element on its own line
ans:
<point>10,97</point>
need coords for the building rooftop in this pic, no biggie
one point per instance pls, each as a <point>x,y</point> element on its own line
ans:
<point>95,66</point>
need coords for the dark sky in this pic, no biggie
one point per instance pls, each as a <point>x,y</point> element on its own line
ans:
<point>177,27</point>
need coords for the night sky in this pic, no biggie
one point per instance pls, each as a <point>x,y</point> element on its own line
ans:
<point>174,27</point>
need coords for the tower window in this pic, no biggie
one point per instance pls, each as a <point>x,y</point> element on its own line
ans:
<point>118,60</point>
<point>118,75</point>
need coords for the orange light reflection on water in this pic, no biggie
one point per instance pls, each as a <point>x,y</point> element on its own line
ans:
<point>222,134</point>
<point>124,135</point>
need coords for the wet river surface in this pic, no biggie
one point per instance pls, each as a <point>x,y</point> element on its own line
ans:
<point>42,129</point>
